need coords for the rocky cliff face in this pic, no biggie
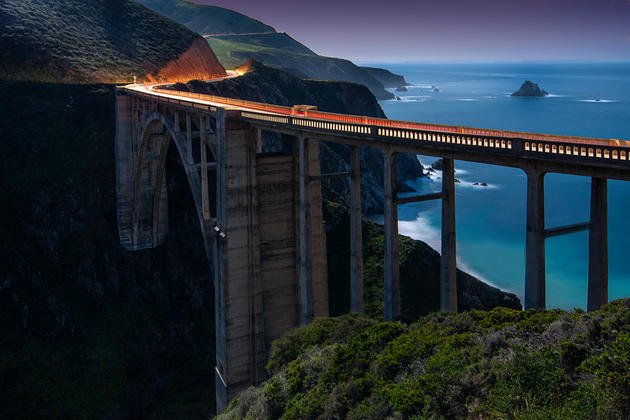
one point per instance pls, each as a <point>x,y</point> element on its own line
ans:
<point>387,78</point>
<point>78,41</point>
<point>197,62</point>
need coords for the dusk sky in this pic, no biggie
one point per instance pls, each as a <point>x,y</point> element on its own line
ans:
<point>451,30</point>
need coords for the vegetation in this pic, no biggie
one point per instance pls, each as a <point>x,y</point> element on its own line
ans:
<point>282,51</point>
<point>86,40</point>
<point>236,38</point>
<point>206,19</point>
<point>503,363</point>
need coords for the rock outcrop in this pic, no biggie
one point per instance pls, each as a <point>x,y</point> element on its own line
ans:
<point>197,62</point>
<point>530,90</point>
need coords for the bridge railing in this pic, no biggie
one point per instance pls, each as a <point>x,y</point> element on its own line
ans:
<point>382,122</point>
<point>537,145</point>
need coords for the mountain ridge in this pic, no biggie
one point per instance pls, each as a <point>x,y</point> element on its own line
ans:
<point>265,44</point>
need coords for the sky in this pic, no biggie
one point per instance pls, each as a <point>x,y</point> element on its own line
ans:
<point>450,30</point>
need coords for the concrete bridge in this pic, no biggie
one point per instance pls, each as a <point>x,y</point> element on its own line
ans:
<point>261,215</point>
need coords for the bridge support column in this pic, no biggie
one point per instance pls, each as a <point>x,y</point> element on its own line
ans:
<point>448,262</point>
<point>306,291</point>
<point>189,151</point>
<point>598,245</point>
<point>203,143</point>
<point>240,335</point>
<point>391,292</point>
<point>356,237</point>
<point>313,279</point>
<point>535,241</point>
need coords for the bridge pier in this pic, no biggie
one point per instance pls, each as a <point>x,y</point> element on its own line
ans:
<point>535,241</point>
<point>448,261</point>
<point>391,266</point>
<point>306,287</point>
<point>356,233</point>
<point>313,285</point>
<point>598,245</point>
<point>240,333</point>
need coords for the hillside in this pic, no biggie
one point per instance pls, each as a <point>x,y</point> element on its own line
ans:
<point>236,38</point>
<point>91,41</point>
<point>282,51</point>
<point>501,364</point>
<point>386,77</point>
<point>205,19</point>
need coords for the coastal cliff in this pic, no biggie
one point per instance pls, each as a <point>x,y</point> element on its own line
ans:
<point>387,78</point>
<point>236,38</point>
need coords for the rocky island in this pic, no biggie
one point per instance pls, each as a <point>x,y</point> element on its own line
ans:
<point>530,90</point>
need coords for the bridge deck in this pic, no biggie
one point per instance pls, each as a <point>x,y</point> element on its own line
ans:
<point>567,154</point>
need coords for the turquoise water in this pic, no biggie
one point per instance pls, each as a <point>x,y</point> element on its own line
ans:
<point>586,99</point>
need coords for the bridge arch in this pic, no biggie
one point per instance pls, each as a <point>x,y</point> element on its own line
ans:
<point>149,196</point>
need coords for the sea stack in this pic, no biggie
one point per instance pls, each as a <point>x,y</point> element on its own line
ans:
<point>530,90</point>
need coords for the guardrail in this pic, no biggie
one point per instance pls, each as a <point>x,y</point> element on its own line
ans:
<point>528,143</point>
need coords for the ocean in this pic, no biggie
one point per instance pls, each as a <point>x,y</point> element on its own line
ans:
<point>586,99</point>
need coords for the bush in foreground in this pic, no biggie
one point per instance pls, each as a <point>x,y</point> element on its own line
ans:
<point>501,363</point>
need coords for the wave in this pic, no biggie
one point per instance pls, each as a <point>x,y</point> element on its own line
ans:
<point>421,230</point>
<point>599,101</point>
<point>411,98</point>
<point>469,184</point>
<point>467,99</point>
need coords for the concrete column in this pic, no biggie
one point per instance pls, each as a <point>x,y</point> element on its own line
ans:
<point>317,258</point>
<point>241,336</point>
<point>205,194</point>
<point>391,264</point>
<point>259,143</point>
<point>220,265</point>
<point>189,152</point>
<point>306,291</point>
<point>356,237</point>
<point>598,245</point>
<point>176,122</point>
<point>448,264</point>
<point>535,242</point>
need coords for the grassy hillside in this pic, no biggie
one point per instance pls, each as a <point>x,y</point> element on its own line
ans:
<point>206,19</point>
<point>238,38</point>
<point>282,51</point>
<point>235,49</point>
<point>88,41</point>
<point>501,364</point>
